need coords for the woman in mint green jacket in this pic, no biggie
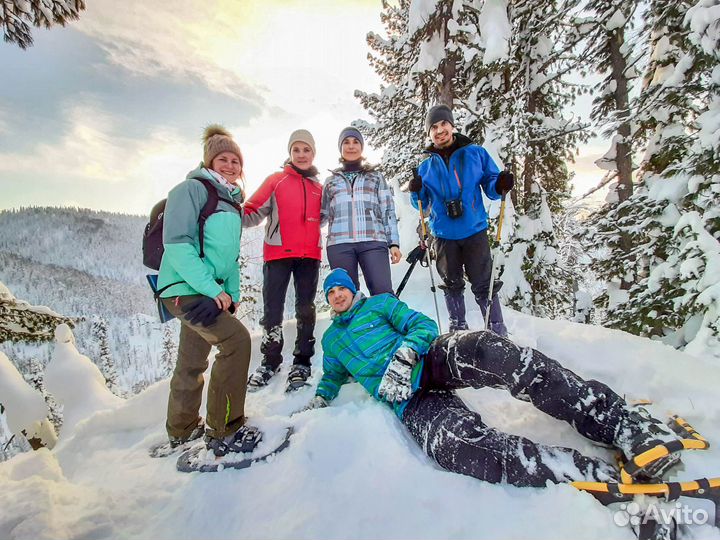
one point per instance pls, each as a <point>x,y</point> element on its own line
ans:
<point>203,289</point>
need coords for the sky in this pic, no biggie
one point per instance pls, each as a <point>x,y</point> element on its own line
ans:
<point>108,112</point>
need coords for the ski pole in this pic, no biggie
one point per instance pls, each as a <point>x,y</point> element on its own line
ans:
<point>413,258</point>
<point>495,258</point>
<point>427,256</point>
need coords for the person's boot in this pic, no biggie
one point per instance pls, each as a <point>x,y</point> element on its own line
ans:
<point>497,323</point>
<point>297,377</point>
<point>638,432</point>
<point>455,302</point>
<point>197,432</point>
<point>244,440</point>
<point>261,377</point>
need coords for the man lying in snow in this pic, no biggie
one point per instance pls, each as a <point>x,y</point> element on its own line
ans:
<point>395,353</point>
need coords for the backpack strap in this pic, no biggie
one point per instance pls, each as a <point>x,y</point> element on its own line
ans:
<point>210,208</point>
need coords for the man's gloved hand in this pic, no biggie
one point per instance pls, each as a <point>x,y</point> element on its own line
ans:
<point>416,183</point>
<point>318,402</point>
<point>202,311</point>
<point>505,182</point>
<point>396,383</point>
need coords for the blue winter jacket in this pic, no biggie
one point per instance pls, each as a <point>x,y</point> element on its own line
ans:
<point>362,341</point>
<point>470,171</point>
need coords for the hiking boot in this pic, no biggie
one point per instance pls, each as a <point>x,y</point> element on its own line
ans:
<point>455,302</point>
<point>261,377</point>
<point>244,440</point>
<point>497,323</point>
<point>638,432</point>
<point>297,378</point>
<point>196,433</point>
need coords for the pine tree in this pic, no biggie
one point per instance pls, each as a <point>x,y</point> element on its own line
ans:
<point>105,361</point>
<point>665,112</point>
<point>16,16</point>
<point>35,377</point>
<point>691,276</point>
<point>609,51</point>
<point>169,353</point>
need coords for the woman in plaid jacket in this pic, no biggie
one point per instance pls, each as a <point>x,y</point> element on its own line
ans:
<point>358,206</point>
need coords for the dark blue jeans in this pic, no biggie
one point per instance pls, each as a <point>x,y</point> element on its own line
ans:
<point>373,258</point>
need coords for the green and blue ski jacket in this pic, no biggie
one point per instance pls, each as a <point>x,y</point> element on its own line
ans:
<point>362,341</point>
<point>219,270</point>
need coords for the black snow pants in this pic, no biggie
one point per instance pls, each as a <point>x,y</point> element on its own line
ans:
<point>276,278</point>
<point>458,440</point>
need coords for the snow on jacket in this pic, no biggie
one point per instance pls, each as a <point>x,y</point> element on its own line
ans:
<point>362,341</point>
<point>469,171</point>
<point>291,204</point>
<point>359,209</point>
<point>218,271</point>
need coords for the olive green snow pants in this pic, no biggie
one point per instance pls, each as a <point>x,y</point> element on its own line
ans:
<point>228,378</point>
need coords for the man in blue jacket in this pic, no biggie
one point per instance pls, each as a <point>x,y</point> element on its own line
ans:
<point>450,184</point>
<point>395,353</point>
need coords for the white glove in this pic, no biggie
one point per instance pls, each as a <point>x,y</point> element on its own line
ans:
<point>396,383</point>
<point>318,402</point>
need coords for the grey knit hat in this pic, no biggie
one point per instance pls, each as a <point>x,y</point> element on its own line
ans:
<point>301,135</point>
<point>436,114</point>
<point>217,140</point>
<point>350,132</point>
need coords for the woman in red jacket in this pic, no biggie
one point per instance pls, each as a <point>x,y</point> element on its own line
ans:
<point>290,200</point>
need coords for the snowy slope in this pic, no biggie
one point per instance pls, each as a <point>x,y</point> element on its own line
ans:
<point>351,471</point>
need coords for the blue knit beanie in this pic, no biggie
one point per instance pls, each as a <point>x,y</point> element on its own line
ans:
<point>350,132</point>
<point>338,278</point>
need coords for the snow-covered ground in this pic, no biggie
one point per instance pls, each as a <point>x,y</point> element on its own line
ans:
<point>351,470</point>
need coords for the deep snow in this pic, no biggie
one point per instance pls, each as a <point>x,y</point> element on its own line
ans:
<point>351,471</point>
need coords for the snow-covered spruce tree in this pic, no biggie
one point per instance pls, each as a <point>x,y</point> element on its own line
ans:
<point>16,16</point>
<point>665,113</point>
<point>691,274</point>
<point>22,322</point>
<point>399,108</point>
<point>36,378</point>
<point>105,361</point>
<point>537,139</point>
<point>607,32</point>
<point>169,353</point>
<point>532,277</point>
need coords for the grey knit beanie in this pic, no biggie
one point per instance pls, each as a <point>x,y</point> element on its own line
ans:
<point>350,132</point>
<point>436,114</point>
<point>301,135</point>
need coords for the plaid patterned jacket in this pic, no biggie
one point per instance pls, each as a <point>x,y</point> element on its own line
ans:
<point>359,211</point>
<point>362,341</point>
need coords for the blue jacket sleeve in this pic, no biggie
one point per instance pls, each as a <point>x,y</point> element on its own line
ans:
<point>180,236</point>
<point>334,376</point>
<point>489,175</point>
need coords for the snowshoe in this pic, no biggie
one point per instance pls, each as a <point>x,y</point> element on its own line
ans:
<point>649,446</point>
<point>297,378</point>
<point>244,440</point>
<point>200,459</point>
<point>177,444</point>
<point>261,377</point>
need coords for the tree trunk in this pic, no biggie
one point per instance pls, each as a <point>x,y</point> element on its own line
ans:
<point>623,157</point>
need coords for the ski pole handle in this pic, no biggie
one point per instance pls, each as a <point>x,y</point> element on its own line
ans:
<point>502,214</point>
<point>422,220</point>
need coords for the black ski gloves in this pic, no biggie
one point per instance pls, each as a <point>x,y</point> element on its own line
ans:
<point>204,311</point>
<point>415,184</point>
<point>505,182</point>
